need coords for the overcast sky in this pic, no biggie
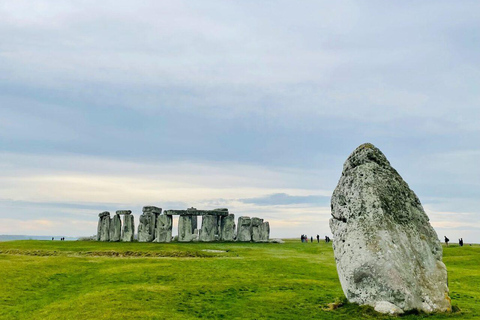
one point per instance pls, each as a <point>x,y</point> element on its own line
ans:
<point>249,105</point>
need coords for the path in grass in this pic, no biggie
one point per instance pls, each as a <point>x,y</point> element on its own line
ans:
<point>92,280</point>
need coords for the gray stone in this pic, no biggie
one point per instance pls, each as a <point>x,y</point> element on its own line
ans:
<point>385,248</point>
<point>124,212</point>
<point>388,308</point>
<point>244,232</point>
<point>103,229</point>
<point>209,229</point>
<point>227,228</point>
<point>256,229</point>
<point>195,212</point>
<point>116,228</point>
<point>265,231</point>
<point>185,228</point>
<point>164,228</point>
<point>128,231</point>
<point>147,225</point>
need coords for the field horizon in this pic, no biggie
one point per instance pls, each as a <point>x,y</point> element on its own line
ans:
<point>105,280</point>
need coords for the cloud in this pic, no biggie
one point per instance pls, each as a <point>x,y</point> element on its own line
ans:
<point>285,199</point>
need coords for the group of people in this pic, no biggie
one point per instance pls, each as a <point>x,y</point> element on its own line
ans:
<point>61,239</point>
<point>304,238</point>
<point>460,241</point>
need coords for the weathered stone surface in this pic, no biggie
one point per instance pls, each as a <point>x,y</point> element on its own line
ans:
<point>265,231</point>
<point>116,228</point>
<point>209,229</point>
<point>195,212</point>
<point>103,229</point>
<point>164,228</point>
<point>185,228</point>
<point>124,212</point>
<point>256,229</point>
<point>128,231</point>
<point>385,248</point>
<point>147,225</point>
<point>227,228</point>
<point>388,308</point>
<point>244,232</point>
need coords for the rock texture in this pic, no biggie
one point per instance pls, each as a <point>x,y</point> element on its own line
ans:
<point>164,228</point>
<point>256,229</point>
<point>388,255</point>
<point>265,231</point>
<point>148,220</point>
<point>209,228</point>
<point>244,232</point>
<point>103,230</point>
<point>227,228</point>
<point>116,228</point>
<point>186,228</point>
<point>128,230</point>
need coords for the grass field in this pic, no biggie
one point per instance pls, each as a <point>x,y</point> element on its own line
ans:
<point>92,280</point>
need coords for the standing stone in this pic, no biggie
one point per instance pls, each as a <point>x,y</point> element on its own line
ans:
<point>244,232</point>
<point>256,229</point>
<point>103,226</point>
<point>209,228</point>
<point>128,229</point>
<point>264,231</point>
<point>164,228</point>
<point>227,228</point>
<point>388,255</point>
<point>148,220</point>
<point>116,228</point>
<point>185,228</point>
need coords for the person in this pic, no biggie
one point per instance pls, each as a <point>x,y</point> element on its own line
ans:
<point>53,238</point>
<point>311,239</point>
<point>446,240</point>
<point>306,239</point>
<point>318,238</point>
<point>460,242</point>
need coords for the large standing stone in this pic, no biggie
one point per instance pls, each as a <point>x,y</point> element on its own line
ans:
<point>148,220</point>
<point>265,231</point>
<point>186,228</point>
<point>386,251</point>
<point>128,229</point>
<point>164,228</point>
<point>244,232</point>
<point>209,229</point>
<point>256,229</point>
<point>227,228</point>
<point>116,228</point>
<point>103,230</point>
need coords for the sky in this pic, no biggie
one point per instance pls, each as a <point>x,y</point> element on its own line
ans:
<point>249,105</point>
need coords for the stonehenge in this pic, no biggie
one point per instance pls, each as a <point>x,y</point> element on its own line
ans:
<point>156,226</point>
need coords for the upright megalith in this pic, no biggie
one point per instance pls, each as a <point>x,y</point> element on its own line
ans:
<point>388,255</point>
<point>256,229</point>
<point>148,220</point>
<point>103,230</point>
<point>209,229</point>
<point>164,228</point>
<point>227,228</point>
<point>128,229</point>
<point>116,228</point>
<point>264,231</point>
<point>244,232</point>
<point>186,228</point>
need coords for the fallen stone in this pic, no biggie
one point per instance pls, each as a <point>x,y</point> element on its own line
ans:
<point>164,228</point>
<point>227,228</point>
<point>209,229</point>
<point>116,228</point>
<point>388,308</point>
<point>244,232</point>
<point>385,249</point>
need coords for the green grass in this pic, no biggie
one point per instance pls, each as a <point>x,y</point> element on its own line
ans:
<point>93,280</point>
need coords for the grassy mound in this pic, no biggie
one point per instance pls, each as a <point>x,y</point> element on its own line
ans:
<point>93,280</point>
